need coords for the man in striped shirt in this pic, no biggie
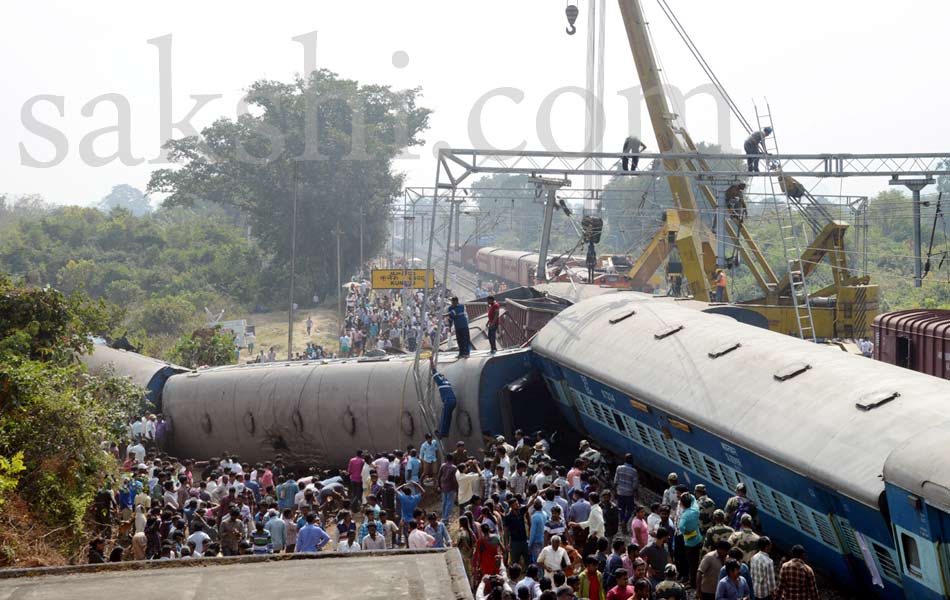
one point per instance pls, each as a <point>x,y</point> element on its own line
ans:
<point>762,570</point>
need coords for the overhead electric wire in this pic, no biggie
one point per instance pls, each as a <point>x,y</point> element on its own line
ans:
<point>704,65</point>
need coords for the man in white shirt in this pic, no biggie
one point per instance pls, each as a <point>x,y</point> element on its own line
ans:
<point>200,538</point>
<point>349,544</point>
<point>373,540</point>
<point>136,451</point>
<point>554,557</point>
<point>138,429</point>
<point>419,538</point>
<point>595,521</point>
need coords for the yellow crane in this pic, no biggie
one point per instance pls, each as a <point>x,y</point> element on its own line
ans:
<point>844,309</point>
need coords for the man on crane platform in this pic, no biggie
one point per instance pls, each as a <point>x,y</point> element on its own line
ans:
<point>755,145</point>
<point>633,146</point>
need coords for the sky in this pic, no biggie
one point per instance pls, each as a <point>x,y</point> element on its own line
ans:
<point>846,76</point>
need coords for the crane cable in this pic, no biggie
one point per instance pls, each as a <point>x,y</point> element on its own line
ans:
<point>694,50</point>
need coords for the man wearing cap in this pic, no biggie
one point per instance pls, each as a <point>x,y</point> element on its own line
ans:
<point>669,588</point>
<point>745,539</point>
<point>509,449</point>
<point>740,505</point>
<point>717,532</point>
<point>707,506</point>
<point>671,495</point>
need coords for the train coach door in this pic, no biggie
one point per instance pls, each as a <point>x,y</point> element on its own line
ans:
<point>905,353</point>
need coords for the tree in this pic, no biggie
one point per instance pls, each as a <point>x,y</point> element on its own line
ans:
<point>339,136</point>
<point>53,415</point>
<point>206,347</point>
<point>127,197</point>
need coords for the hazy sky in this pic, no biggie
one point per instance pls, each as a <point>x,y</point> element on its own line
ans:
<point>843,76</point>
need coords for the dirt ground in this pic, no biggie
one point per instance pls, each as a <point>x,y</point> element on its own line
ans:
<point>271,330</point>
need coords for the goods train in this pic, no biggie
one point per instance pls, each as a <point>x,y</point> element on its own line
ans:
<point>520,268</point>
<point>844,455</point>
<point>917,339</point>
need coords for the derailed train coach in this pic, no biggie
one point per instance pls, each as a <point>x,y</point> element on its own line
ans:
<point>320,412</point>
<point>144,371</point>
<point>841,454</point>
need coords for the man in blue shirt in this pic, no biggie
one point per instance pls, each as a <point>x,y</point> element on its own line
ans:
<point>311,538</point>
<point>436,529</point>
<point>285,494</point>
<point>460,322</point>
<point>448,399</point>
<point>409,495</point>
<point>536,535</point>
<point>430,461</point>
<point>413,466</point>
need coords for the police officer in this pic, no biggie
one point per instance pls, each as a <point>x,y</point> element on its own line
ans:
<point>745,539</point>
<point>670,588</point>
<point>707,506</point>
<point>719,531</point>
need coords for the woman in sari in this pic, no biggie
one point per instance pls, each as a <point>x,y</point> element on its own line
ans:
<point>465,542</point>
<point>487,548</point>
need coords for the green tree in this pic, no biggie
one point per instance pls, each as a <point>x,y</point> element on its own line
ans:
<point>207,347</point>
<point>339,136</point>
<point>126,197</point>
<point>54,416</point>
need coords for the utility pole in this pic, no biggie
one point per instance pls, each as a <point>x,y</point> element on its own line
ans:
<point>339,277</point>
<point>293,260</point>
<point>915,185</point>
<point>550,186</point>
<point>361,237</point>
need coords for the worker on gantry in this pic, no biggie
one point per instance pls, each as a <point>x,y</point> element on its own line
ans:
<point>755,145</point>
<point>632,146</point>
<point>735,201</point>
<point>791,187</point>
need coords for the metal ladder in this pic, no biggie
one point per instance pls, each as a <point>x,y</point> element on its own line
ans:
<point>789,231</point>
<point>424,396</point>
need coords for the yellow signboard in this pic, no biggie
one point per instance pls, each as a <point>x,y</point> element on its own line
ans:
<point>396,279</point>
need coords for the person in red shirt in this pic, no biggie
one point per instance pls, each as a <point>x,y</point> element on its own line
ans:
<point>355,470</point>
<point>493,318</point>
<point>622,591</point>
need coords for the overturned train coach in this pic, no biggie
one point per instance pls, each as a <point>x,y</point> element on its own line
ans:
<point>844,455</point>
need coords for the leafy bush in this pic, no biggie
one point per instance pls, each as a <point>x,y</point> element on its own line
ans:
<point>205,347</point>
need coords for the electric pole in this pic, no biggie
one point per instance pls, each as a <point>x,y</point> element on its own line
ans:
<point>293,260</point>
<point>339,278</point>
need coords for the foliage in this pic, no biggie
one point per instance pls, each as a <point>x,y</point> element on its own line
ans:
<point>53,415</point>
<point>10,469</point>
<point>163,268</point>
<point>207,347</point>
<point>126,197</point>
<point>313,128</point>
<point>15,208</point>
<point>44,323</point>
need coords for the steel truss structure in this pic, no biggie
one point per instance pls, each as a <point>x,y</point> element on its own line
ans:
<point>459,164</point>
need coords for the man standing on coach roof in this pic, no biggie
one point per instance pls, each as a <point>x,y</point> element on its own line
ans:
<point>460,322</point>
<point>493,318</point>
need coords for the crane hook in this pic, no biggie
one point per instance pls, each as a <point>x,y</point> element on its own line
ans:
<point>571,11</point>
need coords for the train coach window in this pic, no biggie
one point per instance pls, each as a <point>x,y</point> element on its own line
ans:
<point>911,556</point>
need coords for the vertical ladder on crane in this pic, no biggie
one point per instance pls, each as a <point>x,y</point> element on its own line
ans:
<point>789,231</point>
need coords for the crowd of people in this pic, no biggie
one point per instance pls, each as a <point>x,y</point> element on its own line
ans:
<point>528,526</point>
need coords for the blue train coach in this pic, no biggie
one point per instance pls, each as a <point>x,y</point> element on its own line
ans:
<point>810,430</point>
